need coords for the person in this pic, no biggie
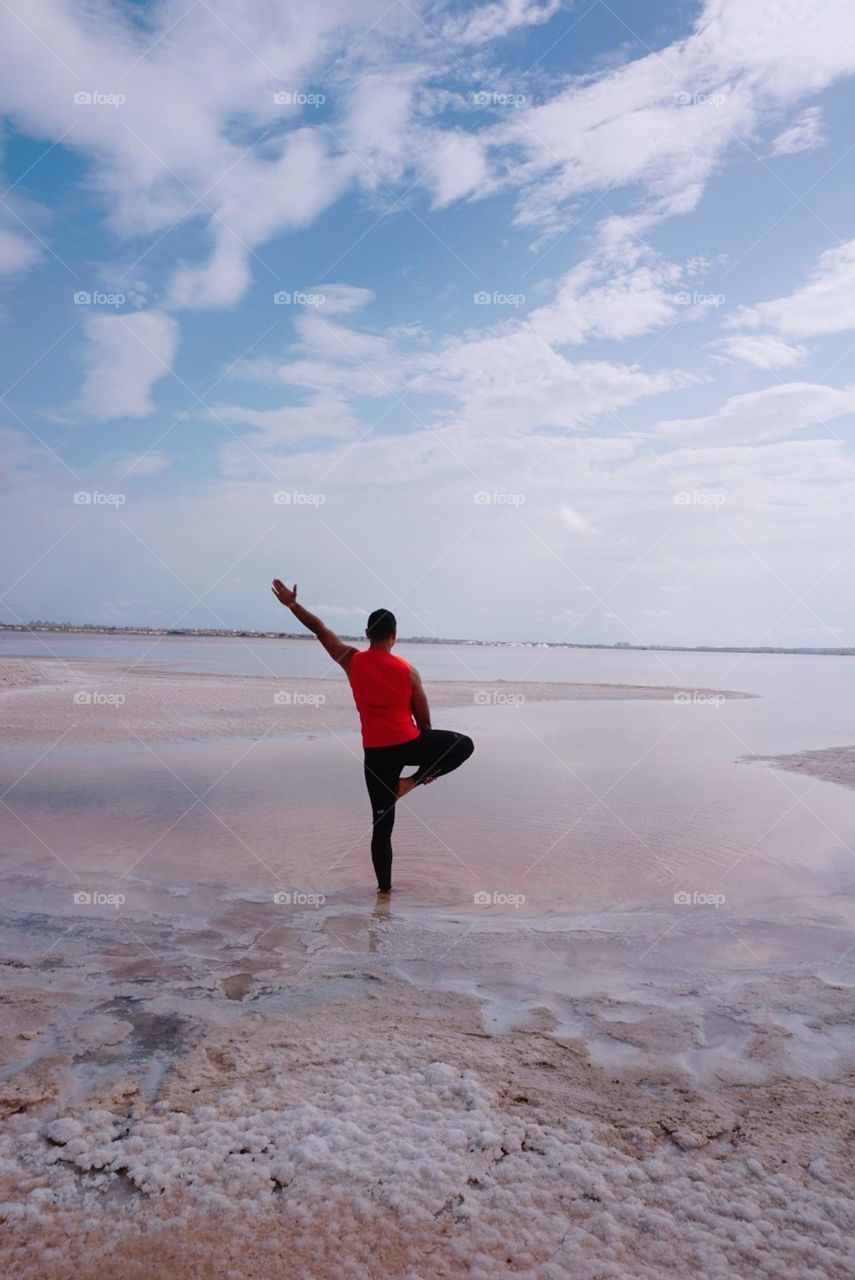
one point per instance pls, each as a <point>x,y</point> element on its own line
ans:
<point>395,719</point>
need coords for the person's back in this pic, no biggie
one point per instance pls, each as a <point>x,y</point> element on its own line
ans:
<point>395,716</point>
<point>383,692</point>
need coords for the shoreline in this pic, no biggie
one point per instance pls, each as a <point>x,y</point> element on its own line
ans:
<point>93,701</point>
<point>215,1082</point>
<point>161,633</point>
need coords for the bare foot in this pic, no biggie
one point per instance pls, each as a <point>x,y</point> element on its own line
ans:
<point>405,786</point>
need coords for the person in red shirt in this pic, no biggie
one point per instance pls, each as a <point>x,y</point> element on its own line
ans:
<point>395,717</point>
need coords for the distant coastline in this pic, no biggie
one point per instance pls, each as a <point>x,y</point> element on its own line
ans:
<point>220,634</point>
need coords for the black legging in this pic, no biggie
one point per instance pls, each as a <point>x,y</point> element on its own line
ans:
<point>435,751</point>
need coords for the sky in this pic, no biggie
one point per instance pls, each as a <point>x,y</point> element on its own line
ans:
<point>527,319</point>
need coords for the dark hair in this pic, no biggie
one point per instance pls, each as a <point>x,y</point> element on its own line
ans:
<point>381,625</point>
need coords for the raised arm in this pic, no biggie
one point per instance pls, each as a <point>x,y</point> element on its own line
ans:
<point>334,645</point>
<point>419,702</point>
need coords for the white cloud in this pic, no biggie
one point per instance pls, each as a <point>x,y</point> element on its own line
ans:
<point>200,136</point>
<point>600,301</point>
<point>126,355</point>
<point>507,379</point>
<point>773,413</point>
<point>806,134</point>
<point>764,350</point>
<point>323,418</point>
<point>17,253</point>
<point>825,304</point>
<point>576,522</point>
<point>492,21</point>
<point>661,125</point>
<point>502,406</point>
<point>457,167</point>
<point>342,299</point>
<point>219,282</point>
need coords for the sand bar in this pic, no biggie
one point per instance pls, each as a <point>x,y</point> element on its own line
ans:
<point>96,701</point>
<point>831,764</point>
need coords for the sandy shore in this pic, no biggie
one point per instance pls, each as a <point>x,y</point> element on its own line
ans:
<point>98,701</point>
<point>252,1102</point>
<point>832,764</point>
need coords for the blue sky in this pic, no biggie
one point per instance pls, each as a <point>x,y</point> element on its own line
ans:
<point>564,341</point>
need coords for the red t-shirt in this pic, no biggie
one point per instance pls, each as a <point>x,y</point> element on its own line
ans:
<point>383,693</point>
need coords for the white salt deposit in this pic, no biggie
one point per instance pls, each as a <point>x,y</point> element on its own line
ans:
<point>386,1167</point>
<point>334,1120</point>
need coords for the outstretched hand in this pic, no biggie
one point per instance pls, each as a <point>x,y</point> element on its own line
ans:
<point>285,595</point>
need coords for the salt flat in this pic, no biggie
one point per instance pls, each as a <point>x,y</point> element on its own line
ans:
<point>602,1029</point>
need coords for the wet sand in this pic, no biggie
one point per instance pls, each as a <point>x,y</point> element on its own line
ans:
<point>832,764</point>
<point>97,701</point>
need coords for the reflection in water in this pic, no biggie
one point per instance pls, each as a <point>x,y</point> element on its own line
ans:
<point>565,807</point>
